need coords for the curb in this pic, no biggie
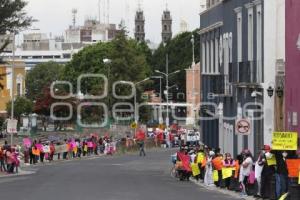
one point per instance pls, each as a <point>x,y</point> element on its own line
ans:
<point>222,191</point>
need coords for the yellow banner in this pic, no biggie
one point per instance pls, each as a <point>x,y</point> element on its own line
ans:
<point>226,173</point>
<point>285,141</point>
<point>215,176</point>
<point>195,169</point>
<point>200,157</point>
<point>299,178</point>
<point>271,161</point>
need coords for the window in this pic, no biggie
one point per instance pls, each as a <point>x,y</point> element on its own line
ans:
<point>67,55</point>
<point>165,27</point>
<point>259,43</point>
<point>138,28</point>
<point>250,34</point>
<point>212,66</point>
<point>19,89</point>
<point>239,37</point>
<point>217,56</point>
<point>48,57</point>
<point>207,66</point>
<point>203,64</point>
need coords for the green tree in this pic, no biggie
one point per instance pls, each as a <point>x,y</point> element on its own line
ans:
<point>13,18</point>
<point>41,77</point>
<point>22,105</point>
<point>179,50</point>
<point>128,63</point>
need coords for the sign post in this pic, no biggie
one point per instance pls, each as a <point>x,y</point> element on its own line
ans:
<point>12,128</point>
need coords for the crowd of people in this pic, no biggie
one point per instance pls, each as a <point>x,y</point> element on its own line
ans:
<point>267,177</point>
<point>9,158</point>
<point>33,152</point>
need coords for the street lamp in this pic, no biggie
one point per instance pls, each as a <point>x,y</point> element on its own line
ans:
<point>135,98</point>
<point>12,83</point>
<point>279,91</point>
<point>270,91</point>
<point>193,68</point>
<point>167,74</point>
<point>160,96</point>
<point>107,62</point>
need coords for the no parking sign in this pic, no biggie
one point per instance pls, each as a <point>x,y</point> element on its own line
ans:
<point>243,127</point>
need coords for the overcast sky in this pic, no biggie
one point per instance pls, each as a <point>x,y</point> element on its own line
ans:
<point>55,15</point>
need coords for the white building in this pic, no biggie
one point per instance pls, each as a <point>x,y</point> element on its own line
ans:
<point>274,59</point>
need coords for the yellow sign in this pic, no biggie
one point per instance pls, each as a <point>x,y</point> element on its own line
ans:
<point>299,178</point>
<point>215,176</point>
<point>271,161</point>
<point>285,141</point>
<point>195,169</point>
<point>226,173</point>
<point>133,125</point>
<point>200,157</point>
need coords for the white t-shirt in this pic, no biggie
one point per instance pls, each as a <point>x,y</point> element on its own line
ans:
<point>246,170</point>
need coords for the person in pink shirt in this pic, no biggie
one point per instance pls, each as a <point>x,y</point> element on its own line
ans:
<point>228,162</point>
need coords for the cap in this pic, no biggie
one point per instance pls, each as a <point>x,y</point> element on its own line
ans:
<point>266,148</point>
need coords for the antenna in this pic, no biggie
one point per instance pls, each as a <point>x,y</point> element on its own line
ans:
<point>99,11</point>
<point>104,11</point>
<point>74,13</point>
<point>108,9</point>
<point>140,5</point>
<point>167,5</point>
<point>127,11</point>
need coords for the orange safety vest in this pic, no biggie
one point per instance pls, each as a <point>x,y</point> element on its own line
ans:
<point>36,152</point>
<point>204,162</point>
<point>217,163</point>
<point>237,169</point>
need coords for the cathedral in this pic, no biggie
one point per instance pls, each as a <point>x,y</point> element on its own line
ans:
<point>166,24</point>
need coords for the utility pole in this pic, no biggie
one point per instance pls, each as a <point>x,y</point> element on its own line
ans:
<point>12,86</point>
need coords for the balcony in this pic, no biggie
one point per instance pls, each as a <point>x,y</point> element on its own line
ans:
<point>244,74</point>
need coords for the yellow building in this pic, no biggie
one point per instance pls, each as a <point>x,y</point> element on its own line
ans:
<point>19,83</point>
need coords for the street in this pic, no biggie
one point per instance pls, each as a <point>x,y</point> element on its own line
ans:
<point>128,177</point>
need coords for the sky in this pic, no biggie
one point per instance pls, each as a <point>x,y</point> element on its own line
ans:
<point>54,16</point>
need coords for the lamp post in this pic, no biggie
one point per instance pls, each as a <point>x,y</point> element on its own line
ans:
<point>193,90</point>
<point>160,96</point>
<point>135,99</point>
<point>167,74</point>
<point>107,62</point>
<point>12,85</point>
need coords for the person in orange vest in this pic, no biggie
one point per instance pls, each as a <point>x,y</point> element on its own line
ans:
<point>218,165</point>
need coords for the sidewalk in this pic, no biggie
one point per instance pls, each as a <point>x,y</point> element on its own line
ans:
<point>22,172</point>
<point>223,191</point>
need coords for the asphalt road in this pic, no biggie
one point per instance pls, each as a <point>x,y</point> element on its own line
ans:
<point>127,177</point>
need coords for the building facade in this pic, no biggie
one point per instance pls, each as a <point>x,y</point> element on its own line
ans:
<point>292,90</point>
<point>19,83</point>
<point>139,32</point>
<point>233,75</point>
<point>192,93</point>
<point>166,23</point>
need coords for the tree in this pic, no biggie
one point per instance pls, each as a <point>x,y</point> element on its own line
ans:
<point>179,50</point>
<point>13,18</point>
<point>22,105</point>
<point>41,77</point>
<point>129,63</point>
